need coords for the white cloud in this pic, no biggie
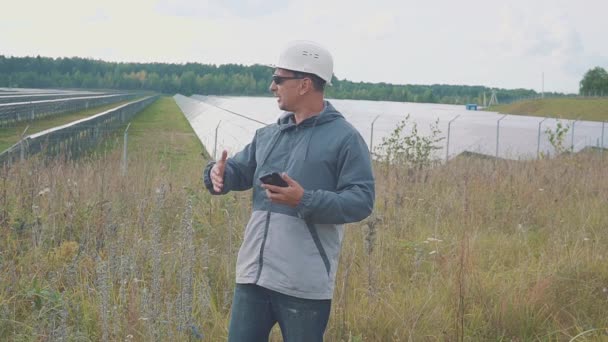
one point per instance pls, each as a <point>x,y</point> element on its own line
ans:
<point>435,41</point>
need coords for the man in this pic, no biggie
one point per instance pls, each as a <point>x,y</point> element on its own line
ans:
<point>286,266</point>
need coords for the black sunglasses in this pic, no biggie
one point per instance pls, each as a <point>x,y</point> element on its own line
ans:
<point>280,79</point>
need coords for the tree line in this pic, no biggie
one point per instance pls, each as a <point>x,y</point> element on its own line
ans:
<point>209,79</point>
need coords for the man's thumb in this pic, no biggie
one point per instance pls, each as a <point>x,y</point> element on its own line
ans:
<point>224,155</point>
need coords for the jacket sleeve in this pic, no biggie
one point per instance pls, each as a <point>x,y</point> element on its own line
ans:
<point>353,199</point>
<point>238,175</point>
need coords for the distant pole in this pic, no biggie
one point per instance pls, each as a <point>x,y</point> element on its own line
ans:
<point>371,138</point>
<point>538,142</point>
<point>124,150</point>
<point>543,86</point>
<point>498,133</point>
<point>447,145</point>
<point>493,98</point>
<point>215,143</point>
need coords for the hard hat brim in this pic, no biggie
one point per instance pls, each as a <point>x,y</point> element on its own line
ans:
<point>274,66</point>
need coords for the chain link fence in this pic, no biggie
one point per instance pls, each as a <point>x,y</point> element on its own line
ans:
<point>77,137</point>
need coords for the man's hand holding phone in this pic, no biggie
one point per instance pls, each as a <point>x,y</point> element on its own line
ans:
<point>282,189</point>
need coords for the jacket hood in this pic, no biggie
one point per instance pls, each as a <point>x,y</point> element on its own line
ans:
<point>287,121</point>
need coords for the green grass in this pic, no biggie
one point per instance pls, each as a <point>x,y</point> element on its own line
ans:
<point>11,135</point>
<point>485,250</point>
<point>586,108</point>
<point>162,127</point>
<point>161,132</point>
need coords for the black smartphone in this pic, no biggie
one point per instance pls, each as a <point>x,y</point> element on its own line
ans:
<point>274,179</point>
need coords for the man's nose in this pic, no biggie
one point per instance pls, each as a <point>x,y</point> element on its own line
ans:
<point>272,87</point>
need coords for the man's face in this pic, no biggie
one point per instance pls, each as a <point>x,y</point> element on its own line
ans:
<point>286,88</point>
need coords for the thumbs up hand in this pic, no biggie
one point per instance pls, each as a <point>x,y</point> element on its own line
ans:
<point>217,172</point>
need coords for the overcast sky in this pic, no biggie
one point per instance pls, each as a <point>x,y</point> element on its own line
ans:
<point>507,44</point>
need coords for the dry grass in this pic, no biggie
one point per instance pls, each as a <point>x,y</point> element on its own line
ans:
<point>473,250</point>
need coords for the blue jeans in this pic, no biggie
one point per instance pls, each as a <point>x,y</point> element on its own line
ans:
<point>255,310</point>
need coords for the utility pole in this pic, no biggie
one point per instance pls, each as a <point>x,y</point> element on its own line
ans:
<point>493,98</point>
<point>542,96</point>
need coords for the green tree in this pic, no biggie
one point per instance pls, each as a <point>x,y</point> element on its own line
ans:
<point>209,79</point>
<point>595,82</point>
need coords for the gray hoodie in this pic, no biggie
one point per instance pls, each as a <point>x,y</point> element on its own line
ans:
<point>295,251</point>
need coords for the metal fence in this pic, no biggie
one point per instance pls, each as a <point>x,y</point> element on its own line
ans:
<point>220,123</point>
<point>13,113</point>
<point>21,97</point>
<point>76,137</point>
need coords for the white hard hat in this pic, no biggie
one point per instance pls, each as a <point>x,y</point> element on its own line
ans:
<point>308,57</point>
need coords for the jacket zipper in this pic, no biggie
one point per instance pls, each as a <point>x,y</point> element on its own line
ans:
<point>261,259</point>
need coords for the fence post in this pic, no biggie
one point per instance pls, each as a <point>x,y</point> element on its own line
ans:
<point>215,143</point>
<point>22,145</point>
<point>498,133</point>
<point>447,145</point>
<point>371,138</point>
<point>572,137</point>
<point>538,142</point>
<point>124,150</point>
<point>603,124</point>
<point>21,151</point>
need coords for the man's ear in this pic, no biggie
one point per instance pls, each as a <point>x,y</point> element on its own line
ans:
<point>305,86</point>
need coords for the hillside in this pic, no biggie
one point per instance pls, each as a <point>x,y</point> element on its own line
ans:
<point>583,108</point>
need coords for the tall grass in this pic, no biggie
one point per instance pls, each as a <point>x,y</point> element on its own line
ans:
<point>473,250</point>
<point>477,251</point>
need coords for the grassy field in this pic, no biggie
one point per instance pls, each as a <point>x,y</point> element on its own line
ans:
<point>11,135</point>
<point>473,250</point>
<point>592,109</point>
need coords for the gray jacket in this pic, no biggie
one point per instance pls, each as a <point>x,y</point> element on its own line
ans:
<point>295,251</point>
